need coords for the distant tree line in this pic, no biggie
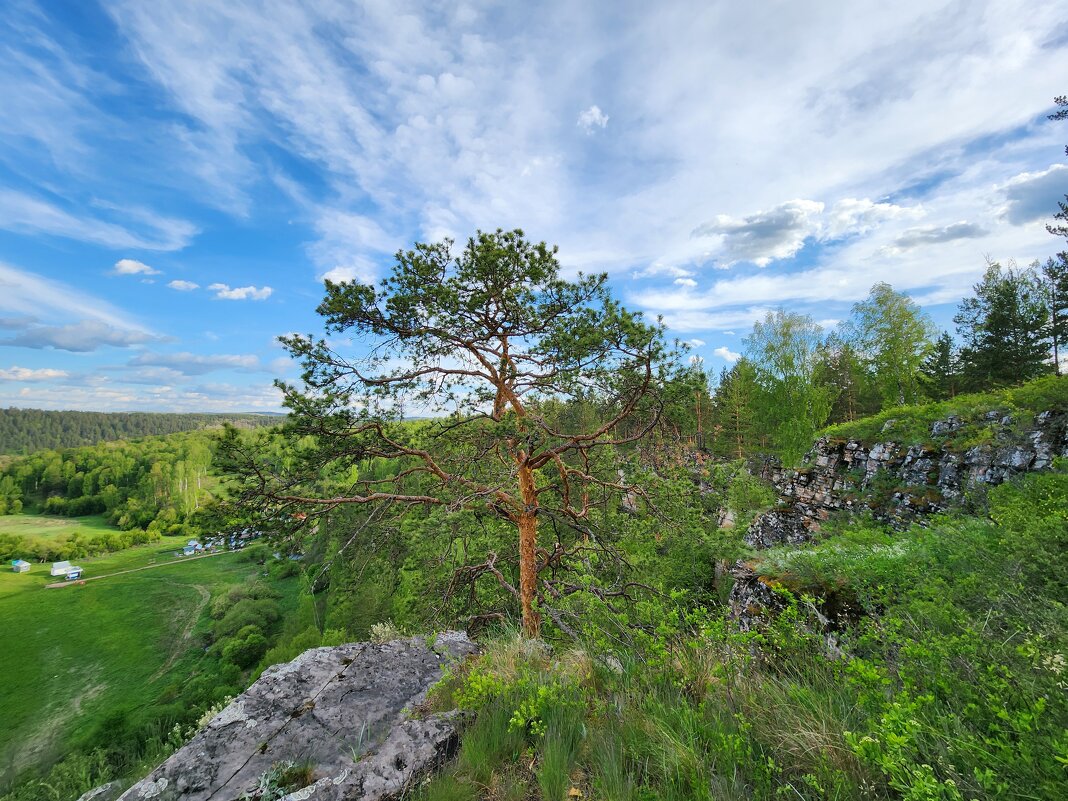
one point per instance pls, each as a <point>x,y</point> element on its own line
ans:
<point>23,431</point>
<point>146,488</point>
<point>794,379</point>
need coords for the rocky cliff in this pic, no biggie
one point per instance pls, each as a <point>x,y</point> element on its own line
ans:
<point>900,483</point>
<point>332,724</point>
<point>894,482</point>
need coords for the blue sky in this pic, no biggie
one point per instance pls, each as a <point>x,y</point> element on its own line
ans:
<point>177,177</point>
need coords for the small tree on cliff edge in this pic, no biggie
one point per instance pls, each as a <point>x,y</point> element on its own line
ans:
<point>482,343</point>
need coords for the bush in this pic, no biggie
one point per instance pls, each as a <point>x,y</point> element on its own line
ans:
<point>246,648</point>
<point>263,613</point>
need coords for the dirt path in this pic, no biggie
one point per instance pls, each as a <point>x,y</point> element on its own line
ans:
<point>187,631</point>
<point>79,582</point>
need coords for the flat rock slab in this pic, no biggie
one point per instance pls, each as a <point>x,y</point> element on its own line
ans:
<point>343,710</point>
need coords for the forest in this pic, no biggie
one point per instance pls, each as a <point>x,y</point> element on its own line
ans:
<point>24,431</point>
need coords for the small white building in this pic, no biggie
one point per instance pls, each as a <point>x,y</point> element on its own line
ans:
<point>20,565</point>
<point>75,572</point>
<point>60,568</point>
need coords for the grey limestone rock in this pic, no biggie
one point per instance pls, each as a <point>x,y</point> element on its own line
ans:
<point>344,710</point>
<point>777,527</point>
<point>105,792</point>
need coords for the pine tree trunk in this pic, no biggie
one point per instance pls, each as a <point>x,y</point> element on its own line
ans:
<point>528,558</point>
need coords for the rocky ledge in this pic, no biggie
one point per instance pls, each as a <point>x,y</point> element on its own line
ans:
<point>341,713</point>
<point>900,484</point>
<point>895,483</point>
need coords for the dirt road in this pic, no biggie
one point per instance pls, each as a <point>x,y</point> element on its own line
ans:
<point>79,582</point>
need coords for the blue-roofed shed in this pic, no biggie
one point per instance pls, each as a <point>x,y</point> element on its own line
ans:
<point>20,565</point>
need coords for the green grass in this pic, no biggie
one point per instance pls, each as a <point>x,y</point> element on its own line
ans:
<point>910,425</point>
<point>155,553</point>
<point>75,654</point>
<point>948,685</point>
<point>30,525</point>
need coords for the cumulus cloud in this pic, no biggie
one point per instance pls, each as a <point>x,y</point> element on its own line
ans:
<point>687,282</point>
<point>80,337</point>
<point>1034,195</point>
<point>727,354</point>
<point>133,267</point>
<point>592,118</point>
<point>851,216</point>
<point>761,238</point>
<point>933,235</point>
<point>225,292</point>
<point>695,342</point>
<point>183,286</point>
<point>196,364</point>
<point>29,374</point>
<point>781,231</point>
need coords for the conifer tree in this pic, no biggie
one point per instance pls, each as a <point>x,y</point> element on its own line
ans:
<point>481,341</point>
<point>1004,338</point>
<point>941,371</point>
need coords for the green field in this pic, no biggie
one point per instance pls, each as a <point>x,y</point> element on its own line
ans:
<point>27,525</point>
<point>73,655</point>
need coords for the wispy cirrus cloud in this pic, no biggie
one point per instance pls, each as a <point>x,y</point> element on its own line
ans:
<point>24,213</point>
<point>34,297</point>
<point>192,364</point>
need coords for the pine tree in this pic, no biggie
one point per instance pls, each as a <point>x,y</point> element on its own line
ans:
<point>1003,329</point>
<point>941,370</point>
<point>1054,281</point>
<point>733,411</point>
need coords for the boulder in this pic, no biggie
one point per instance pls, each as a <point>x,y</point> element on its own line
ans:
<point>344,712</point>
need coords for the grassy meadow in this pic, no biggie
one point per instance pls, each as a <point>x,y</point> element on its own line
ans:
<point>28,525</point>
<point>76,654</point>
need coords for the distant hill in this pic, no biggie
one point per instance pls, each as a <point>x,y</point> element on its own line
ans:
<point>24,431</point>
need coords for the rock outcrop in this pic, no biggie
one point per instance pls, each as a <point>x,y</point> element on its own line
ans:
<point>342,713</point>
<point>899,484</point>
<point>895,483</point>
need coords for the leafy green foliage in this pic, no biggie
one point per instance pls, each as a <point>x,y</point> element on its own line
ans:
<point>894,336</point>
<point>794,404</point>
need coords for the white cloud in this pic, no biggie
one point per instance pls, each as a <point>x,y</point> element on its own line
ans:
<point>937,234</point>
<point>196,364</point>
<point>727,354</point>
<point>26,214</point>
<point>441,123</point>
<point>183,286</point>
<point>1034,195</point>
<point>106,396</point>
<point>225,292</point>
<point>851,216</point>
<point>81,337</point>
<point>592,118</point>
<point>781,231</point>
<point>686,282</point>
<point>761,238</point>
<point>697,343</point>
<point>133,267</point>
<point>28,374</point>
